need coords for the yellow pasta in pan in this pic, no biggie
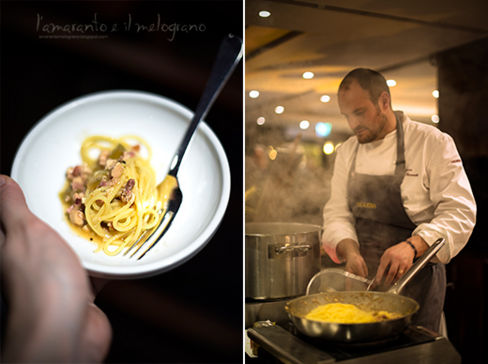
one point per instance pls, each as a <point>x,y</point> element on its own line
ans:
<point>348,314</point>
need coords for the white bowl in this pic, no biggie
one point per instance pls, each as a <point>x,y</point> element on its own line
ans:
<point>54,144</point>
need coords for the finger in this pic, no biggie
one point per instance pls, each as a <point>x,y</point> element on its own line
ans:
<point>357,268</point>
<point>374,285</point>
<point>364,269</point>
<point>96,336</point>
<point>392,272</point>
<point>381,270</point>
<point>360,270</point>
<point>350,268</point>
<point>13,208</point>
<point>401,271</point>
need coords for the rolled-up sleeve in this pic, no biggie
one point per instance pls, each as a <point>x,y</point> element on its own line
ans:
<point>338,219</point>
<point>454,205</point>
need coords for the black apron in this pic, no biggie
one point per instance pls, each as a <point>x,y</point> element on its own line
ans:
<point>381,222</point>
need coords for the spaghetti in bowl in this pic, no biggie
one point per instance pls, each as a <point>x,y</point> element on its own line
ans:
<point>112,199</point>
<point>54,144</point>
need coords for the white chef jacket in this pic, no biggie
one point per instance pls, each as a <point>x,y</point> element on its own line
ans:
<point>435,190</point>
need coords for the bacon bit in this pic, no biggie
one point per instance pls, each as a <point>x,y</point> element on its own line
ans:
<point>102,158</point>
<point>117,170</point>
<point>77,217</point>
<point>69,173</point>
<point>85,171</point>
<point>77,171</point>
<point>82,171</point>
<point>130,184</point>
<point>77,184</point>
<point>127,155</point>
<point>136,148</point>
<point>126,194</point>
<point>78,196</point>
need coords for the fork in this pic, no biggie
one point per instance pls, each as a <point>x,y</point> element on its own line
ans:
<point>229,54</point>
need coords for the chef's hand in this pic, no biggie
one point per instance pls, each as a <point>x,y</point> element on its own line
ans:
<point>397,259</point>
<point>51,317</point>
<point>348,250</point>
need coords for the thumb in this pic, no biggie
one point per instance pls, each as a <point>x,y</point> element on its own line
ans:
<point>13,208</point>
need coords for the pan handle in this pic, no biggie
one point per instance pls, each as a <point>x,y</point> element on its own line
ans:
<point>418,265</point>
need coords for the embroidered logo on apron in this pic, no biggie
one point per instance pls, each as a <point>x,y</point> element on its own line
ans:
<point>366,205</point>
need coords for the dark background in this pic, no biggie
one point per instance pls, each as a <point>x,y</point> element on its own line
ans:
<point>194,312</point>
<point>463,84</point>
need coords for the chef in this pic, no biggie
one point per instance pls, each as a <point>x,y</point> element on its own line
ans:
<point>398,185</point>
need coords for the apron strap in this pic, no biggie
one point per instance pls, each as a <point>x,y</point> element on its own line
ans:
<point>400,162</point>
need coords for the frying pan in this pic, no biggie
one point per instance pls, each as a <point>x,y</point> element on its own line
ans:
<point>368,300</point>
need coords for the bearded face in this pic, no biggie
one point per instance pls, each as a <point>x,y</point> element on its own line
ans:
<point>366,119</point>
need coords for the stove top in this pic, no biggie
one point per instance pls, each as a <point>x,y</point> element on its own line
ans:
<point>416,344</point>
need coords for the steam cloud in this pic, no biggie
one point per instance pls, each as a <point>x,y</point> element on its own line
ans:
<point>290,188</point>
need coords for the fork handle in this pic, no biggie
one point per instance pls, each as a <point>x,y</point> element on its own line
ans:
<point>230,52</point>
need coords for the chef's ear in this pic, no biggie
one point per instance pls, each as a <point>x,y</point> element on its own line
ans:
<point>384,101</point>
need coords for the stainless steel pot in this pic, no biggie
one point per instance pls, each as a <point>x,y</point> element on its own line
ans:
<point>280,259</point>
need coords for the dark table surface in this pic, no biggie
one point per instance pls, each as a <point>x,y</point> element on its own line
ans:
<point>194,312</point>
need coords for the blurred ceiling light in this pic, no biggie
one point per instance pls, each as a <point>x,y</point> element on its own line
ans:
<point>279,109</point>
<point>304,124</point>
<point>261,120</point>
<point>435,118</point>
<point>391,83</point>
<point>254,94</point>
<point>328,148</point>
<point>272,153</point>
<point>264,13</point>
<point>308,75</point>
<point>435,93</point>
<point>323,129</point>
<point>325,98</point>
